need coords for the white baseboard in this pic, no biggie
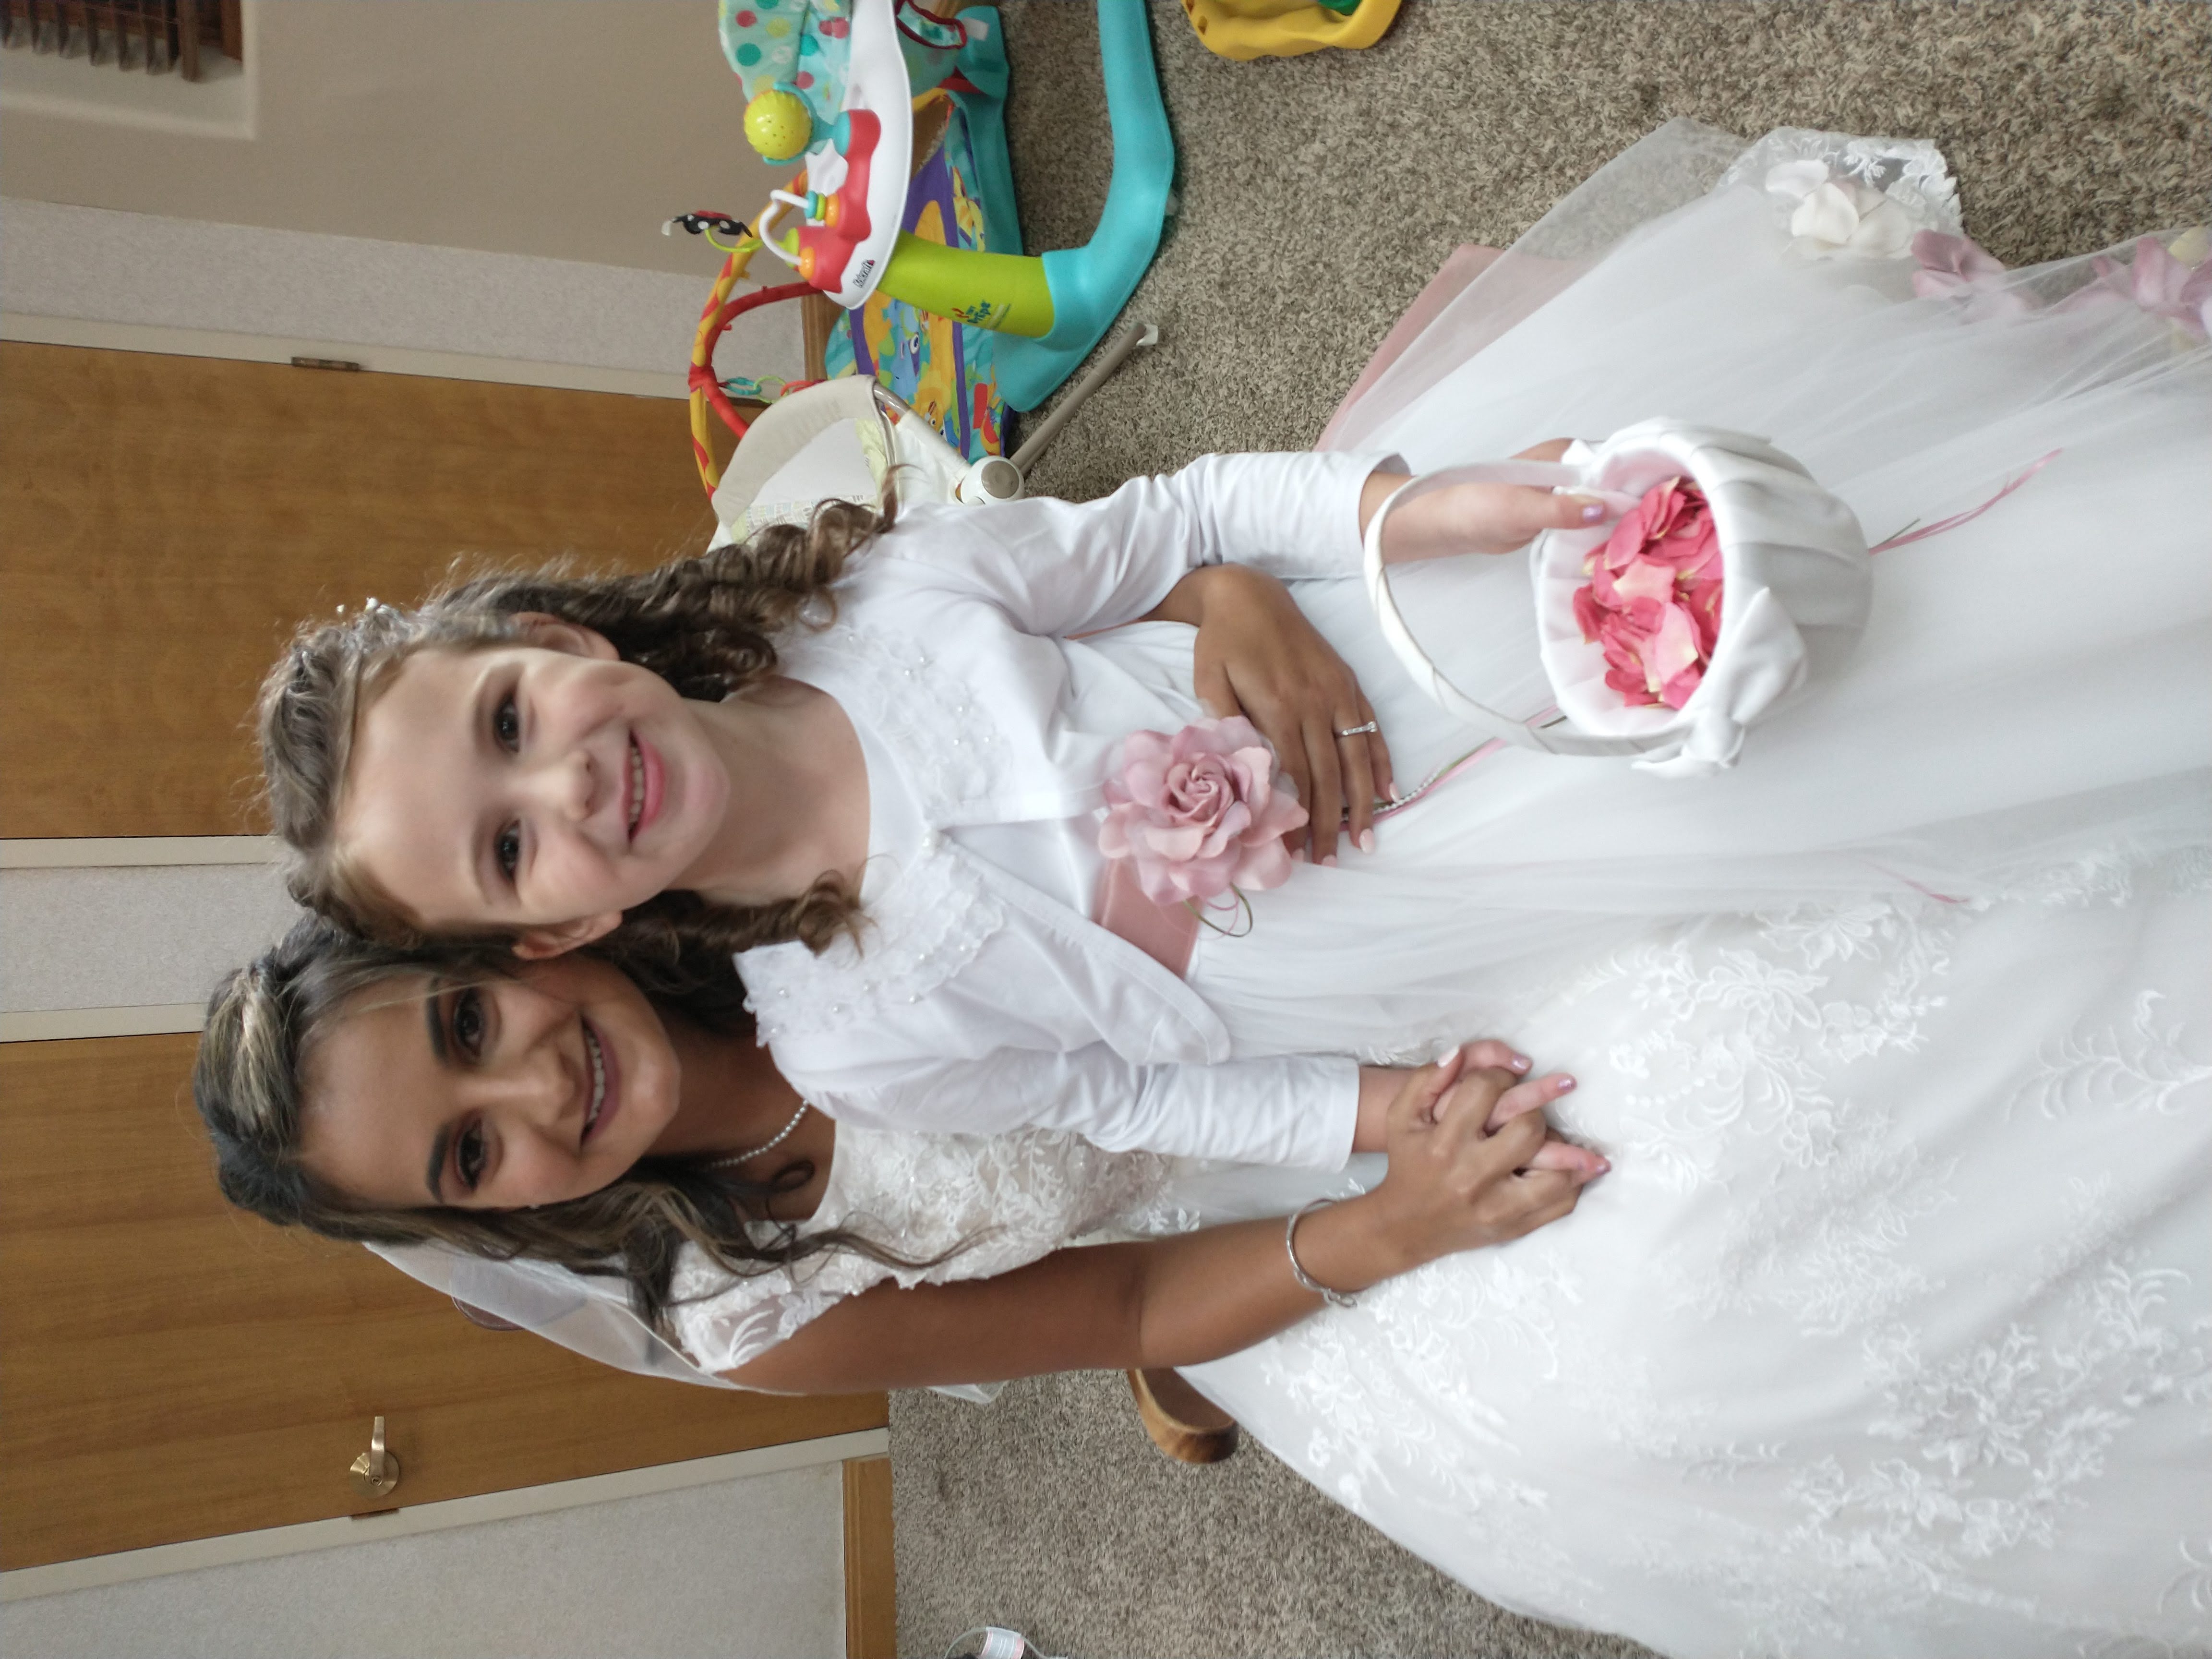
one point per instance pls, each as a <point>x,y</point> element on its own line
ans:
<point>113,852</point>
<point>95,1570</point>
<point>66,1025</point>
<point>381,359</point>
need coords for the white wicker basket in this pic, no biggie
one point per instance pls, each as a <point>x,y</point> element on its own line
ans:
<point>1797,585</point>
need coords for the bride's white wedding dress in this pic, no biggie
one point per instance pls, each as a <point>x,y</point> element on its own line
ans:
<point>1891,1332</point>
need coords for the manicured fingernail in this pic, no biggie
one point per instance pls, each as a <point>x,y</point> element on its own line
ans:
<point>1366,841</point>
<point>1563,1084</point>
<point>1519,1062</point>
<point>1329,859</point>
<point>1592,513</point>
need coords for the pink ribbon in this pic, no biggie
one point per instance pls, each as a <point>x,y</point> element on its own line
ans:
<point>1903,537</point>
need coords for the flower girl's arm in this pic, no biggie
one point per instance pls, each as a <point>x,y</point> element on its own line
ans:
<point>1065,568</point>
<point>1474,518</point>
<point>1453,1185</point>
<point>1298,1110</point>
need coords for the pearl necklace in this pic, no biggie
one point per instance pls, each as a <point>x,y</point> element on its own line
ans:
<point>768,1145</point>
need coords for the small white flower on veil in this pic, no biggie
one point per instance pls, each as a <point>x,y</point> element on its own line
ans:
<point>1838,216</point>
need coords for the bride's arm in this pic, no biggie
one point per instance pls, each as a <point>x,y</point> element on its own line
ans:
<point>1256,656</point>
<point>1453,1185</point>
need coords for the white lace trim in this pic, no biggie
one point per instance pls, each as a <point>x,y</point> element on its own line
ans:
<point>1911,172</point>
<point>927,924</point>
<point>985,1204</point>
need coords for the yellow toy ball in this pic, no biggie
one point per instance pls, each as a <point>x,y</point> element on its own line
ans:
<point>778,125</point>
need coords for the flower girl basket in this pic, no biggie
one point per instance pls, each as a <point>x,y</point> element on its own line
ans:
<point>1796,588</point>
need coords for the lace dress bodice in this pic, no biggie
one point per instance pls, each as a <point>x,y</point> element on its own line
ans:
<point>984,1204</point>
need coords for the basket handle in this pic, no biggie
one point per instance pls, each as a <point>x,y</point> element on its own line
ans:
<point>1553,738</point>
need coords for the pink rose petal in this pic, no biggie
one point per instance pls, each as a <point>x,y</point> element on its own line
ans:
<point>1652,604</point>
<point>1644,579</point>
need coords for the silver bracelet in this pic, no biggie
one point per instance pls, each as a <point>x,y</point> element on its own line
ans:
<point>1306,1280</point>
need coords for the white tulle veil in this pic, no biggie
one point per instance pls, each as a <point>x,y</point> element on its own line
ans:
<point>590,1316</point>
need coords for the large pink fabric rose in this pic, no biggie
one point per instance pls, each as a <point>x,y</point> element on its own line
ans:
<point>1653,600</point>
<point>1200,812</point>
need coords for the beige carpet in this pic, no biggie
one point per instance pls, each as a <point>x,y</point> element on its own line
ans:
<point>1317,196</point>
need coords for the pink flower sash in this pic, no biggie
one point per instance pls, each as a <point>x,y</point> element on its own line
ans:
<point>1168,933</point>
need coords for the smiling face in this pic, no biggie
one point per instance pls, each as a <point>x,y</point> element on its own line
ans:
<point>498,1094</point>
<point>545,785</point>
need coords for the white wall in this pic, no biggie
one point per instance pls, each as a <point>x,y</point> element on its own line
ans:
<point>560,129</point>
<point>134,936</point>
<point>739,1569</point>
<point>474,177</point>
<point>146,270</point>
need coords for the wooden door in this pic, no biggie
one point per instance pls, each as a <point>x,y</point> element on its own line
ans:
<point>171,1368</point>
<point>167,521</point>
<point>174,1370</point>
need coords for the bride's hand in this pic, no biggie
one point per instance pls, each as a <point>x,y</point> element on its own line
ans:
<point>1476,517</point>
<point>1455,1182</point>
<point>1256,656</point>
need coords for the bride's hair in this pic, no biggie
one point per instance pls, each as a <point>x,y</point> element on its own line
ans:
<point>263,1024</point>
<point>707,625</point>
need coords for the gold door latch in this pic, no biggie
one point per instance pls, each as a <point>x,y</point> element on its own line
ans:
<point>376,1471</point>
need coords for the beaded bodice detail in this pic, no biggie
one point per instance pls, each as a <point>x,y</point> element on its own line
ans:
<point>934,914</point>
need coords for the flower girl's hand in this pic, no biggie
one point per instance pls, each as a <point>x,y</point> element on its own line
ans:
<point>1476,517</point>
<point>1535,1094</point>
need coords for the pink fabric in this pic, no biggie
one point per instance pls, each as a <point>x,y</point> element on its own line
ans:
<point>1467,261</point>
<point>1951,267</point>
<point>1906,537</point>
<point>1166,933</point>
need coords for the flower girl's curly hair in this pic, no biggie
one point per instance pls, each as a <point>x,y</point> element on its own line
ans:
<point>263,1024</point>
<point>707,625</point>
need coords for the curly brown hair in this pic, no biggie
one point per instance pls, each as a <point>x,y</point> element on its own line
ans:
<point>708,625</point>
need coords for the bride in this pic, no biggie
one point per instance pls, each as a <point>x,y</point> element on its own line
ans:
<point>1891,1331</point>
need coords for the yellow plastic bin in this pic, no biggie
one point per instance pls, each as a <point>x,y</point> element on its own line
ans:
<point>1245,29</point>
